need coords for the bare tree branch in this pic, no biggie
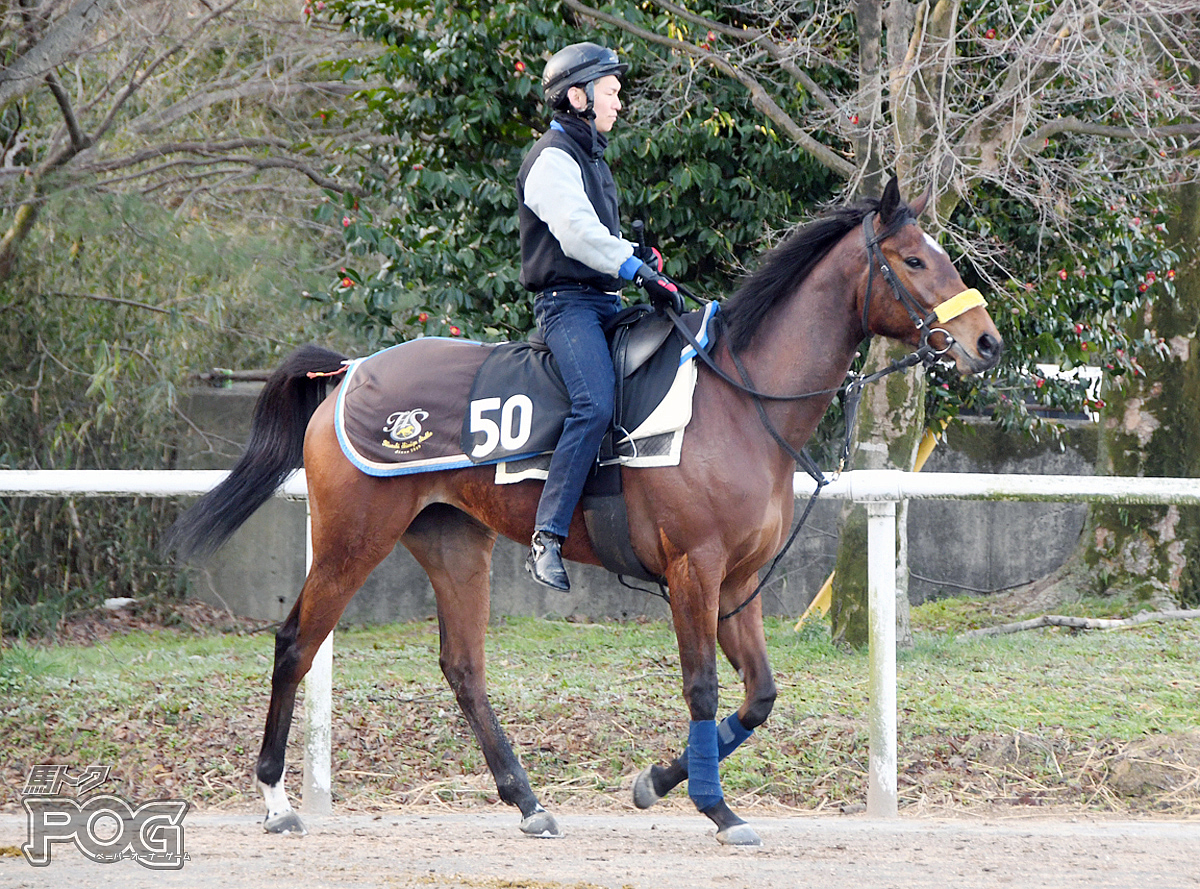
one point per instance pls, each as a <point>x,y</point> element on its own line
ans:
<point>158,48</point>
<point>759,96</point>
<point>759,38</point>
<point>56,45</point>
<point>1080,623</point>
<point>258,88</point>
<point>1037,138</point>
<point>79,141</point>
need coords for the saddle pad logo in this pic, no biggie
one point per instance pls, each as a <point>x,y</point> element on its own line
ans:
<point>405,431</point>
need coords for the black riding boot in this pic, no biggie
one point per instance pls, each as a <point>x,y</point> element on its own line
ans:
<point>545,562</point>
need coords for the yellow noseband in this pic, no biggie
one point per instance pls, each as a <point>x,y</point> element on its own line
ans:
<point>956,305</point>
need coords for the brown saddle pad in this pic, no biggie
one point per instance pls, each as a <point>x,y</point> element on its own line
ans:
<point>401,410</point>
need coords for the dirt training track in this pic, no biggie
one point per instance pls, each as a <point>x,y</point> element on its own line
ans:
<point>666,849</point>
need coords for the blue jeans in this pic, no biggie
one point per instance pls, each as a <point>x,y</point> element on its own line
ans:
<point>572,322</point>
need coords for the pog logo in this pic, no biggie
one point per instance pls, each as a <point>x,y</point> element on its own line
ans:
<point>104,827</point>
<point>405,431</point>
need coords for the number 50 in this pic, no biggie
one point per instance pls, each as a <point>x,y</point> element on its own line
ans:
<point>511,433</point>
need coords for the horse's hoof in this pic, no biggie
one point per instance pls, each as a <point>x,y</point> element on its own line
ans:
<point>738,835</point>
<point>541,824</point>
<point>285,822</point>
<point>644,794</point>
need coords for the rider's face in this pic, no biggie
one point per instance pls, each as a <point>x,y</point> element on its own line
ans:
<point>607,102</point>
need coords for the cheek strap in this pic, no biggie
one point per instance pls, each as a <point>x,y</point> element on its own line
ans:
<point>956,305</point>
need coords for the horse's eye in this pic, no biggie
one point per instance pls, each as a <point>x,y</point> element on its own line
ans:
<point>915,262</point>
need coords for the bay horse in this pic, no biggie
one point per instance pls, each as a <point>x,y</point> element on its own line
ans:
<point>707,525</point>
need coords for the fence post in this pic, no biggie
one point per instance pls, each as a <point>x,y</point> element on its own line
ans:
<point>318,711</point>
<point>881,595</point>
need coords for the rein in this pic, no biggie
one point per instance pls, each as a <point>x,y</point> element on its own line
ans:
<point>925,354</point>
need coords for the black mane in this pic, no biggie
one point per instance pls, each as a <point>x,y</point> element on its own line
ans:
<point>782,269</point>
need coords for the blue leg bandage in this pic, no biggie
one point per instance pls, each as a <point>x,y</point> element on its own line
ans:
<point>704,779</point>
<point>730,735</point>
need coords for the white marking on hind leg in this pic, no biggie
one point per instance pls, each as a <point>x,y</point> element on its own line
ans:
<point>280,817</point>
<point>276,799</point>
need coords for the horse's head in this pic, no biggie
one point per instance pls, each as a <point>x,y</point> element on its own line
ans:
<point>914,293</point>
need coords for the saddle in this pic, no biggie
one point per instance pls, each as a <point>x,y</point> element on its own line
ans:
<point>435,404</point>
<point>634,335</point>
<point>645,372</point>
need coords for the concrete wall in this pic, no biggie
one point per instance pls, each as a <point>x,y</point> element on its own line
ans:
<point>961,546</point>
<point>953,546</point>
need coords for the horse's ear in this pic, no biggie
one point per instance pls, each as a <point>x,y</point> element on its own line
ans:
<point>918,206</point>
<point>890,202</point>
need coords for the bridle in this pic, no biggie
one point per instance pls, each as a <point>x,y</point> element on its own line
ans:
<point>927,323</point>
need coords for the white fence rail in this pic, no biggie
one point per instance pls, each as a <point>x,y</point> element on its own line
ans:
<point>880,490</point>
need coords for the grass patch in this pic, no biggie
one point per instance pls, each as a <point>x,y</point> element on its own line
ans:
<point>1049,717</point>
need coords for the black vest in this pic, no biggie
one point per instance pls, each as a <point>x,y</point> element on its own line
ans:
<point>543,263</point>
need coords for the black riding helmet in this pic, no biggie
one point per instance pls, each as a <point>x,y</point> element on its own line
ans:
<point>579,64</point>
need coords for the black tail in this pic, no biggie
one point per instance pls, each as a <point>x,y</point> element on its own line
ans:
<point>275,448</point>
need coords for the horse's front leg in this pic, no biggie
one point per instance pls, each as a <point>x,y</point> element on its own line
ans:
<point>742,639</point>
<point>694,607</point>
<point>455,551</point>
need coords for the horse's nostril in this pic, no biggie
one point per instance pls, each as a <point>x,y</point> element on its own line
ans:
<point>989,347</point>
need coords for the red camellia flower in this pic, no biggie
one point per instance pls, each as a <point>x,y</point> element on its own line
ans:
<point>1170,274</point>
<point>423,317</point>
<point>1078,329</point>
<point>854,119</point>
<point>1142,288</point>
<point>1062,273</point>
<point>520,66</point>
<point>990,33</point>
<point>345,222</point>
<point>455,331</point>
<point>346,282</point>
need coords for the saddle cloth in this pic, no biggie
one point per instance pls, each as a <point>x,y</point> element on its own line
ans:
<point>434,404</point>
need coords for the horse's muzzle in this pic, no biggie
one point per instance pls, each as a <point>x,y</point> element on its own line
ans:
<point>988,347</point>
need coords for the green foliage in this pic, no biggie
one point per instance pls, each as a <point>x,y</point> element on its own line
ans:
<point>457,88</point>
<point>1072,310</point>
<point>115,306</point>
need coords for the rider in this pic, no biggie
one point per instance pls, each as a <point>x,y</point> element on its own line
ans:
<point>574,258</point>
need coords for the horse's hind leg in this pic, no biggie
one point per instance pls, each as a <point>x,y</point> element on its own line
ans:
<point>342,560</point>
<point>741,638</point>
<point>456,551</point>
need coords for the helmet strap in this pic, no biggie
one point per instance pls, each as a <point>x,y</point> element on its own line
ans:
<point>588,113</point>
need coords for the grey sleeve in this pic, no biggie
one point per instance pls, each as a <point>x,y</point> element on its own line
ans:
<point>554,192</point>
